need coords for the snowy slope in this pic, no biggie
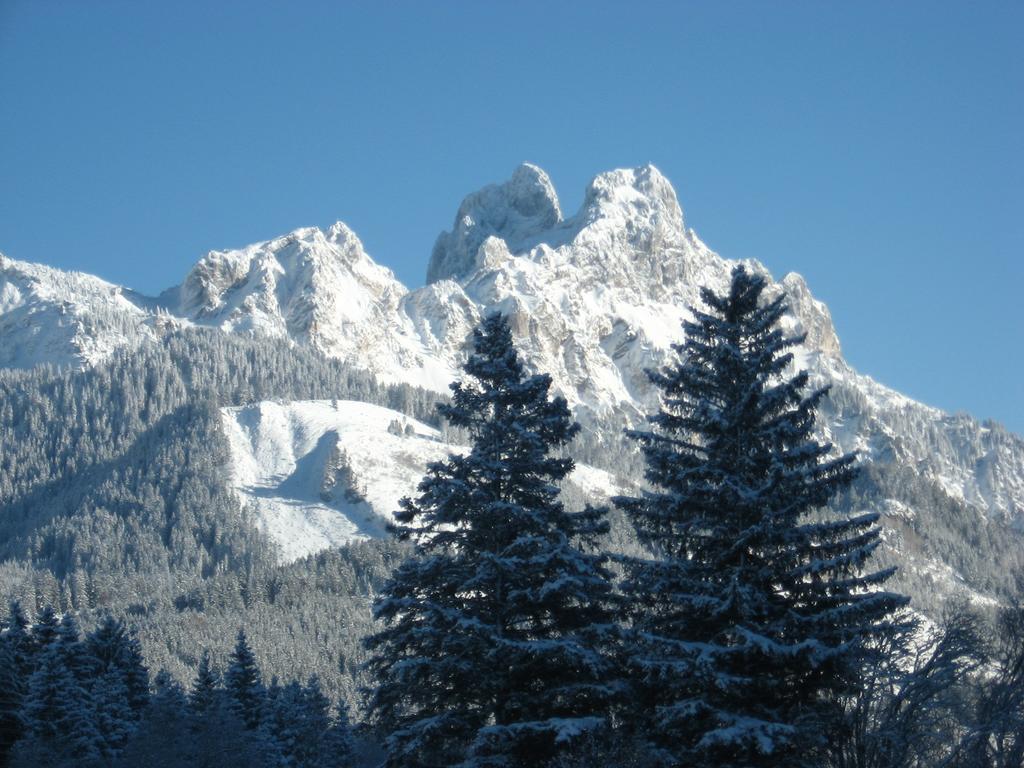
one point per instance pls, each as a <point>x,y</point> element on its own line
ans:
<point>319,473</point>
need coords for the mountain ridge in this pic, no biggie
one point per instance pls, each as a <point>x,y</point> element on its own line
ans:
<point>594,299</point>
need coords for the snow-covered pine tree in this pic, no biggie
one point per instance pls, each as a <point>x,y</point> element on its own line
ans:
<point>752,614</point>
<point>113,715</point>
<point>203,697</point>
<point>244,683</point>
<point>168,696</point>
<point>219,737</point>
<point>44,630</point>
<point>298,722</point>
<point>15,667</point>
<point>59,716</point>
<point>162,738</point>
<point>68,639</point>
<point>113,647</point>
<point>491,650</point>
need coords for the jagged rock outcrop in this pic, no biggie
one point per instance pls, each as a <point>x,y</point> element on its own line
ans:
<point>517,211</point>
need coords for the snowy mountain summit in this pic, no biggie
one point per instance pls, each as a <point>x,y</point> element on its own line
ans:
<point>594,299</point>
<point>318,289</point>
<point>520,209</point>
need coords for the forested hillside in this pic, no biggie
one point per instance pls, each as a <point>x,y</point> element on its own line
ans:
<point>114,499</point>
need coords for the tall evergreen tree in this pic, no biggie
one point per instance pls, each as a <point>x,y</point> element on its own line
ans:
<point>162,738</point>
<point>112,647</point>
<point>203,697</point>
<point>15,667</point>
<point>168,697</point>
<point>219,738</point>
<point>113,716</point>
<point>490,654</point>
<point>244,684</point>
<point>44,630</point>
<point>68,639</point>
<point>753,612</point>
<point>59,716</point>
<point>16,624</point>
<point>299,723</point>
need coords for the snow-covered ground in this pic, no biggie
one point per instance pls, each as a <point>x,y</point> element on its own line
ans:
<point>320,473</point>
<point>285,457</point>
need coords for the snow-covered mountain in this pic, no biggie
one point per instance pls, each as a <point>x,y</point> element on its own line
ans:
<point>319,289</point>
<point>594,299</point>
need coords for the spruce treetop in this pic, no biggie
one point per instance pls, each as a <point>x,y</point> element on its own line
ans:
<point>204,691</point>
<point>513,425</point>
<point>244,683</point>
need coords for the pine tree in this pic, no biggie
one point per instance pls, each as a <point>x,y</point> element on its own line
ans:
<point>299,723</point>
<point>753,613</point>
<point>244,683</point>
<point>114,717</point>
<point>168,696</point>
<point>491,652</point>
<point>68,640</point>
<point>203,698</point>
<point>219,737</point>
<point>163,738</point>
<point>15,667</point>
<point>44,630</point>
<point>113,647</point>
<point>59,715</point>
<point>16,623</point>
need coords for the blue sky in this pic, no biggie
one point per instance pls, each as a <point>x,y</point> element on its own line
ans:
<point>873,147</point>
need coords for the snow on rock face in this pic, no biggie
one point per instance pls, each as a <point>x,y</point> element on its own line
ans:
<point>809,316</point>
<point>318,474</point>
<point>593,299</point>
<point>318,289</point>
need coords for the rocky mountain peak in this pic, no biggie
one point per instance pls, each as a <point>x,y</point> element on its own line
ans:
<point>340,233</point>
<point>639,193</point>
<point>516,211</point>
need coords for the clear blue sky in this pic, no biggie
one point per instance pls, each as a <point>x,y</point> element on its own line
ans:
<point>874,147</point>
